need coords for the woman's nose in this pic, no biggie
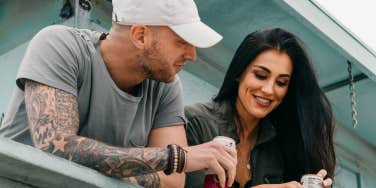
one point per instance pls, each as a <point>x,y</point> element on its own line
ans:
<point>268,88</point>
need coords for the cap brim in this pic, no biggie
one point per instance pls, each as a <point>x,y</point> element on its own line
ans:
<point>198,34</point>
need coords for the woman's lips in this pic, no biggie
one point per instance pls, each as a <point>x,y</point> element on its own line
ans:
<point>262,101</point>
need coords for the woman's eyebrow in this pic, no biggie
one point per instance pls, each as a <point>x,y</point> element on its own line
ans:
<point>263,68</point>
<point>267,70</point>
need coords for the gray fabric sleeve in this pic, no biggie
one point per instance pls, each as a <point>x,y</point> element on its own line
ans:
<point>51,59</point>
<point>171,109</point>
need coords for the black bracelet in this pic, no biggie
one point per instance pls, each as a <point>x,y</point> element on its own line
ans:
<point>170,160</point>
<point>181,159</point>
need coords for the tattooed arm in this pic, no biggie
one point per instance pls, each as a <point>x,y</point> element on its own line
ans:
<point>161,137</point>
<point>53,122</point>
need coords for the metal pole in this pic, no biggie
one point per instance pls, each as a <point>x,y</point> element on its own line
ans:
<point>76,7</point>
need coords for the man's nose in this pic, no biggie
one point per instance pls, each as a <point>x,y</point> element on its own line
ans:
<point>190,53</point>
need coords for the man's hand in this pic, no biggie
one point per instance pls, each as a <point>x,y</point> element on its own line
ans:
<point>212,155</point>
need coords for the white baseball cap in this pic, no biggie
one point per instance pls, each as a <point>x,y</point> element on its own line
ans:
<point>179,15</point>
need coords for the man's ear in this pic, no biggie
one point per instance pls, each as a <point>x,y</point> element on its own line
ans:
<point>139,35</point>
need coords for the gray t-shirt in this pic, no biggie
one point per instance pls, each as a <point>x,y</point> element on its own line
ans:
<point>70,59</point>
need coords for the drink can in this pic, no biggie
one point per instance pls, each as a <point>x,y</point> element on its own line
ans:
<point>311,181</point>
<point>226,141</point>
<point>211,179</point>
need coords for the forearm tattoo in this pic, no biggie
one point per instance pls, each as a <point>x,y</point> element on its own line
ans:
<point>149,180</point>
<point>53,121</point>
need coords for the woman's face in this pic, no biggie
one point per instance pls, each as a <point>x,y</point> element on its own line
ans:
<point>264,84</point>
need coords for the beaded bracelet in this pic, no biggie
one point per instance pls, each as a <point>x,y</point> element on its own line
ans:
<point>177,160</point>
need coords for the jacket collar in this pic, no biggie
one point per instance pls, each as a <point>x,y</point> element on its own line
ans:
<point>227,126</point>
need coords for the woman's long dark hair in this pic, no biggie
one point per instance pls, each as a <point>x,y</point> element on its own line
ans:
<point>304,118</point>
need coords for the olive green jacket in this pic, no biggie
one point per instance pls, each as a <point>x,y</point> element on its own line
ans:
<point>208,120</point>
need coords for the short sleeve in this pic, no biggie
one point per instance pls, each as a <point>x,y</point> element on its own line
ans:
<point>170,109</point>
<point>51,59</point>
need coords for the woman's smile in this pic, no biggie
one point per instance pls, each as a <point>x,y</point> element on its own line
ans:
<point>263,102</point>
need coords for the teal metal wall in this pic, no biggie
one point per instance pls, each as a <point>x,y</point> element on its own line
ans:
<point>9,63</point>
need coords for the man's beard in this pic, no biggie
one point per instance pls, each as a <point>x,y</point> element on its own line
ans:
<point>149,59</point>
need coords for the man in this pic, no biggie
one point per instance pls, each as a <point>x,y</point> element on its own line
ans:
<point>98,99</point>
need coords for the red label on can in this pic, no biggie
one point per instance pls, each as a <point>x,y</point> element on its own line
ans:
<point>211,181</point>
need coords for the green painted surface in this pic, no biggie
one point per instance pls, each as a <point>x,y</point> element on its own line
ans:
<point>26,164</point>
<point>4,182</point>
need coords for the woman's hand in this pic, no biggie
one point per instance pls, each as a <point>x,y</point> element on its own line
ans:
<point>328,181</point>
<point>294,184</point>
<point>291,184</point>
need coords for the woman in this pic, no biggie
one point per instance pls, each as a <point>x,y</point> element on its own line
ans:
<point>270,102</point>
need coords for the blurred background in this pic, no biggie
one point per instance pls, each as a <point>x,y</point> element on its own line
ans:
<point>341,59</point>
